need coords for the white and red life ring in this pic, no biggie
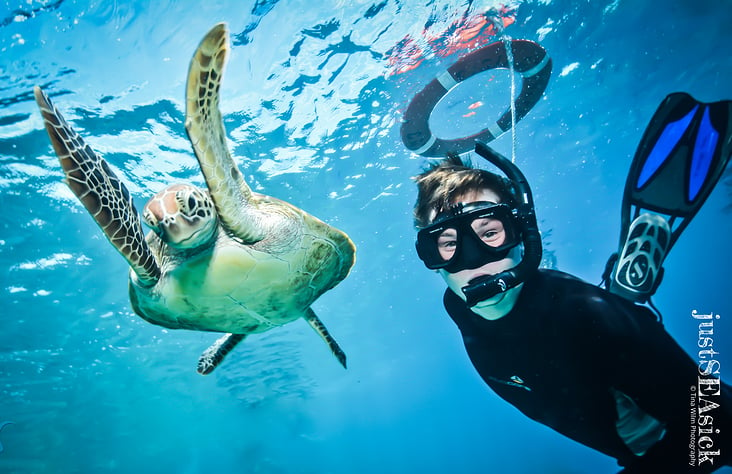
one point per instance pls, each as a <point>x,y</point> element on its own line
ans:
<point>529,59</point>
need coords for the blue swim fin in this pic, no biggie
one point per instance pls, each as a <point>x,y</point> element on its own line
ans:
<point>679,160</point>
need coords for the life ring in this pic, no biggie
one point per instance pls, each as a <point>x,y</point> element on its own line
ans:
<point>529,59</point>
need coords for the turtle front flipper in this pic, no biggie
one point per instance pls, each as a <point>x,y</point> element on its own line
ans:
<point>100,191</point>
<point>3,425</point>
<point>319,327</point>
<point>205,128</point>
<point>214,355</point>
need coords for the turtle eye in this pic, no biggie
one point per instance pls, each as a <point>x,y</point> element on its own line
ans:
<point>186,201</point>
<point>189,201</point>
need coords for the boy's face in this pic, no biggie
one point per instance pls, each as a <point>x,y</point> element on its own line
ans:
<point>456,281</point>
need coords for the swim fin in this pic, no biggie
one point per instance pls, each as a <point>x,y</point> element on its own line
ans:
<point>679,160</point>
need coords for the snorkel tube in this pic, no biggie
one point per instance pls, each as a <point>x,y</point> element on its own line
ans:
<point>491,285</point>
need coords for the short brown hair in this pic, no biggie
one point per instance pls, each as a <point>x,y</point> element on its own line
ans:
<point>441,183</point>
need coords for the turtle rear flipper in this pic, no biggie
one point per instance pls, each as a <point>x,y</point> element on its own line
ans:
<point>214,355</point>
<point>205,128</point>
<point>100,191</point>
<point>320,328</point>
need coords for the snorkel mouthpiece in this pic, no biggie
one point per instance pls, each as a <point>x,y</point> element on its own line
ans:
<point>492,285</point>
<point>489,286</point>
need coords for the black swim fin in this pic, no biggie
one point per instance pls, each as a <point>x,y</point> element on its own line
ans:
<point>679,160</point>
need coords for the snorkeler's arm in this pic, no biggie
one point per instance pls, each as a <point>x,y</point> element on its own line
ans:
<point>648,364</point>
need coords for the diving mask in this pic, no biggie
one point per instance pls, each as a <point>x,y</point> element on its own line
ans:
<point>468,236</point>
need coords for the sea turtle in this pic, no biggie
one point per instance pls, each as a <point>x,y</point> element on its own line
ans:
<point>225,259</point>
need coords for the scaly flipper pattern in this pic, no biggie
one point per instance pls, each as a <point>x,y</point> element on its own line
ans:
<point>214,355</point>
<point>100,191</point>
<point>205,128</point>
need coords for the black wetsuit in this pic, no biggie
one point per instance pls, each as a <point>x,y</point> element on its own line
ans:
<point>563,348</point>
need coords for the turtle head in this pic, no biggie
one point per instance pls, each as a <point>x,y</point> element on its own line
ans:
<point>183,216</point>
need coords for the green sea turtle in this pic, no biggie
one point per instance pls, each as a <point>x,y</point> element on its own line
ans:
<point>225,259</point>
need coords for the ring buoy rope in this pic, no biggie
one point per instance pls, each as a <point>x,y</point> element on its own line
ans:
<point>529,59</point>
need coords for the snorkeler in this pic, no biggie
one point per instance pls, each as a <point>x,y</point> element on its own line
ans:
<point>591,363</point>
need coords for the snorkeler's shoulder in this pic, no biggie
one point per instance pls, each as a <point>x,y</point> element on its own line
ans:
<point>554,284</point>
<point>572,299</point>
<point>596,313</point>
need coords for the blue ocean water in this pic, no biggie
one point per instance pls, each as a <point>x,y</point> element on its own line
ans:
<point>313,97</point>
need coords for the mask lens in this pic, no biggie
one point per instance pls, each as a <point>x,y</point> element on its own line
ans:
<point>447,243</point>
<point>490,231</point>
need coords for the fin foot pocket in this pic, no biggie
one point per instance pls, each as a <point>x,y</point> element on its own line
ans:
<point>639,266</point>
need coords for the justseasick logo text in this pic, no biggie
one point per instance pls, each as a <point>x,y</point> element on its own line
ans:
<point>705,396</point>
